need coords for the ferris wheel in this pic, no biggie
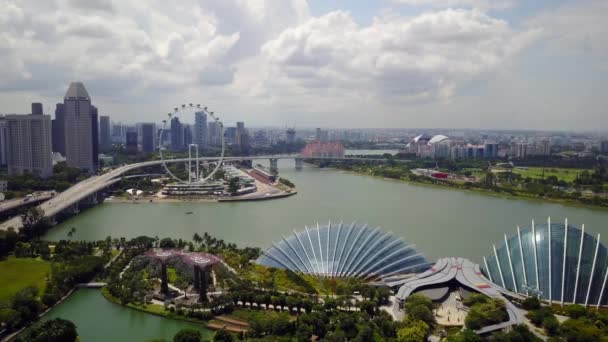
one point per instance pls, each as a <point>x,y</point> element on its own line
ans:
<point>194,174</point>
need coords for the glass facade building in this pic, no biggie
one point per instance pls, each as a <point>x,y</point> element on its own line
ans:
<point>344,250</point>
<point>556,261</point>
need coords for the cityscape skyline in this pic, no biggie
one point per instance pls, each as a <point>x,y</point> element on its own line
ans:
<point>240,58</point>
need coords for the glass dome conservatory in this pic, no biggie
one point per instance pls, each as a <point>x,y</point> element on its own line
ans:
<point>556,261</point>
<point>340,250</point>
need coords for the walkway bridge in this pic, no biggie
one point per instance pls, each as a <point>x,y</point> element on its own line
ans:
<point>88,191</point>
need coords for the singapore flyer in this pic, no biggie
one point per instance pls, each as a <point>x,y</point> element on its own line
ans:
<point>171,141</point>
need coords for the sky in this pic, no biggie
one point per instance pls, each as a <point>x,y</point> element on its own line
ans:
<point>489,64</point>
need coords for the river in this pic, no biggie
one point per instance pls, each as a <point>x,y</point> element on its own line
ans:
<point>440,221</point>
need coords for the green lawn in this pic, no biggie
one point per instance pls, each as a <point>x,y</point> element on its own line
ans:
<point>18,273</point>
<point>561,173</point>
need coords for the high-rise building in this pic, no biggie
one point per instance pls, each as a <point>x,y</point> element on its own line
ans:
<point>58,128</point>
<point>119,133</point>
<point>230,135</point>
<point>201,137</point>
<point>29,145</point>
<point>131,142</point>
<point>148,137</point>
<point>490,150</point>
<point>3,141</point>
<point>604,146</point>
<point>321,135</point>
<point>291,135</point>
<point>78,128</point>
<point>105,137</point>
<point>214,132</point>
<point>242,137</point>
<point>95,135</point>
<point>545,147</point>
<point>177,135</point>
<point>37,108</point>
<point>188,139</point>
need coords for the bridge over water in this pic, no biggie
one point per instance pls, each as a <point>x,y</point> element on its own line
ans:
<point>87,192</point>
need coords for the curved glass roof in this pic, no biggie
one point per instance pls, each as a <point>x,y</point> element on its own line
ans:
<point>344,250</point>
<point>556,261</point>
<point>437,139</point>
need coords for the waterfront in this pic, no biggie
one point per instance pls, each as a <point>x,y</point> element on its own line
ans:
<point>441,222</point>
<point>97,319</point>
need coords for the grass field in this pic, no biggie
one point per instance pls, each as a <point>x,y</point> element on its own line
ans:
<point>561,173</point>
<point>18,273</point>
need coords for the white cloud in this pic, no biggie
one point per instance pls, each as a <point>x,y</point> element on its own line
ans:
<point>481,4</point>
<point>423,58</point>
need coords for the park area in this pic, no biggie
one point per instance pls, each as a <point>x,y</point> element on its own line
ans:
<point>19,273</point>
<point>565,174</point>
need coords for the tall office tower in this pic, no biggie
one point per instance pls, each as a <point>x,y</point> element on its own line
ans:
<point>291,135</point>
<point>321,135</point>
<point>58,128</point>
<point>201,137</point>
<point>118,133</point>
<point>132,142</point>
<point>37,108</point>
<point>148,137</point>
<point>29,145</point>
<point>188,138</point>
<point>230,135</point>
<point>78,128</point>
<point>242,137</point>
<point>214,132</point>
<point>105,137</point>
<point>604,146</point>
<point>490,150</point>
<point>3,141</point>
<point>545,147</point>
<point>177,135</point>
<point>95,132</point>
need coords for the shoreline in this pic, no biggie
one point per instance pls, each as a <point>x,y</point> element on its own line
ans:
<point>565,202</point>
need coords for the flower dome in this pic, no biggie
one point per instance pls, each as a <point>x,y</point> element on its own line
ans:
<point>340,250</point>
<point>557,262</point>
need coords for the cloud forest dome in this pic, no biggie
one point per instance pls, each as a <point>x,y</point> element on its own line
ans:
<point>344,250</point>
<point>556,261</point>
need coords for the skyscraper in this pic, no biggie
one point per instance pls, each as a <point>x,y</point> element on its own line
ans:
<point>58,128</point>
<point>291,135</point>
<point>321,135</point>
<point>177,135</point>
<point>78,128</point>
<point>242,137</point>
<point>132,142</point>
<point>95,135</point>
<point>200,130</point>
<point>188,139</point>
<point>604,146</point>
<point>214,132</point>
<point>148,137</point>
<point>3,141</point>
<point>37,108</point>
<point>29,145</point>
<point>105,137</point>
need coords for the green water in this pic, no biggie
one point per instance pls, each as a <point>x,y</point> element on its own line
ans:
<point>440,221</point>
<point>97,319</point>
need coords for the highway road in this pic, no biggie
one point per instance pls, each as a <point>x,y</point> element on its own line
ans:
<point>18,202</point>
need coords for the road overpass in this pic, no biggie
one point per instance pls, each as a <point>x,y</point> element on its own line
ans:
<point>87,190</point>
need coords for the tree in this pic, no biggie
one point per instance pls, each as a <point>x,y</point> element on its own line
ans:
<point>415,331</point>
<point>54,330</point>
<point>465,335</point>
<point>576,311</point>
<point>531,303</point>
<point>34,223</point>
<point>223,336</point>
<point>551,325</point>
<point>187,335</point>
<point>233,185</point>
<point>167,243</point>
